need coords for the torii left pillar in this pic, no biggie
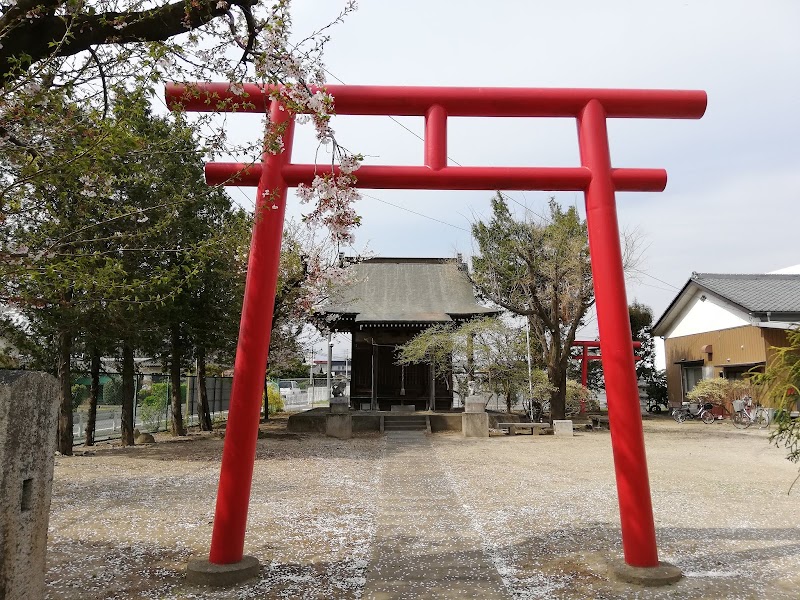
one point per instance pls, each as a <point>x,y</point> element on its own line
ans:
<point>227,564</point>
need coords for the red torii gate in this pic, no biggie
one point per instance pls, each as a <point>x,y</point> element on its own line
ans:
<point>585,357</point>
<point>595,177</point>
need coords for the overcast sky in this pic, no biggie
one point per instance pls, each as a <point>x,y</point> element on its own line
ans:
<point>731,202</point>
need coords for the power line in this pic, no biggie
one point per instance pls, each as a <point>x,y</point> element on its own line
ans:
<point>415,212</point>
<point>675,288</point>
<point>449,158</point>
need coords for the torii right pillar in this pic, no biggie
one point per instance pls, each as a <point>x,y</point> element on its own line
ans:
<point>633,485</point>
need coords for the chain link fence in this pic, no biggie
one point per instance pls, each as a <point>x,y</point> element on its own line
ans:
<point>152,409</point>
<point>306,393</point>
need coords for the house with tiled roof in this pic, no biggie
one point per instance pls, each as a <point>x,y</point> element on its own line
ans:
<point>724,325</point>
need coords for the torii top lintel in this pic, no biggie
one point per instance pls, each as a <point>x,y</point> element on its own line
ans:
<point>456,101</point>
<point>436,104</point>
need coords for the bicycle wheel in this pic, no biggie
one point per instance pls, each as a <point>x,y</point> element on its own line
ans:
<point>740,420</point>
<point>762,419</point>
<point>708,417</point>
<point>679,416</point>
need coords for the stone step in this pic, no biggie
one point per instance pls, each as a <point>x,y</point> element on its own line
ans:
<point>405,427</point>
<point>405,423</point>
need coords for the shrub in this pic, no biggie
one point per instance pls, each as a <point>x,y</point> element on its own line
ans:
<point>275,404</point>
<point>112,392</point>
<point>80,393</point>
<point>657,387</point>
<point>720,391</point>
<point>575,393</point>
<point>152,404</point>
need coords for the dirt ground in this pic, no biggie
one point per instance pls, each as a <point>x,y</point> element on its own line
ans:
<point>125,521</point>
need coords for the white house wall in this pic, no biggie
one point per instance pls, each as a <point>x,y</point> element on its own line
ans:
<point>711,314</point>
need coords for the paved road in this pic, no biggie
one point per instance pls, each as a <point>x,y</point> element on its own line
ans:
<point>424,547</point>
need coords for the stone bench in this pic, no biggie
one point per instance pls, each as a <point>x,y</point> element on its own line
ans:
<point>513,427</point>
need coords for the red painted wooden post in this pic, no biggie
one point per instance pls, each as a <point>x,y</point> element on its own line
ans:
<point>436,137</point>
<point>241,433</point>
<point>630,462</point>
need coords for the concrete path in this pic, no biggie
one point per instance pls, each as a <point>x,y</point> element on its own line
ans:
<point>424,546</point>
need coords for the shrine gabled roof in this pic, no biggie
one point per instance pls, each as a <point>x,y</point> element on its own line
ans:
<point>403,290</point>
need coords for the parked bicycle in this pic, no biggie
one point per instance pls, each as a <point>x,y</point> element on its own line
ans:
<point>694,410</point>
<point>746,413</point>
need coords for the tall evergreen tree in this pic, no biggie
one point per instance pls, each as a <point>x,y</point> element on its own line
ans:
<point>539,270</point>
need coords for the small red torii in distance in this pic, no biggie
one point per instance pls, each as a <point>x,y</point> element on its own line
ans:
<point>595,177</point>
<point>585,357</point>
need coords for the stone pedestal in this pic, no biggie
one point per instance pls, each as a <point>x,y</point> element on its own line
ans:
<point>202,572</point>
<point>28,413</point>
<point>664,574</point>
<point>339,426</point>
<point>475,424</point>
<point>563,428</point>
<point>340,406</point>
<point>475,404</point>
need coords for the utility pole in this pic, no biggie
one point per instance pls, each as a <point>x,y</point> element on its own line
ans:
<point>330,364</point>
<point>310,392</point>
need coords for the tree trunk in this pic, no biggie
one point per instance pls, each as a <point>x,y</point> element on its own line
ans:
<point>470,358</point>
<point>176,427</point>
<point>204,412</point>
<point>509,398</point>
<point>65,393</point>
<point>557,374</point>
<point>266,395</point>
<point>94,393</point>
<point>128,393</point>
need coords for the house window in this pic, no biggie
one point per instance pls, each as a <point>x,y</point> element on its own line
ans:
<point>690,377</point>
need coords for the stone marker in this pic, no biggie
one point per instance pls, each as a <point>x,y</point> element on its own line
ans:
<point>28,413</point>
<point>563,428</point>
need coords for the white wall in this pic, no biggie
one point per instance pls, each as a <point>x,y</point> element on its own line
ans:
<point>711,314</point>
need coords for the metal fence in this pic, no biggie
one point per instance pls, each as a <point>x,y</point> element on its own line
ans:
<point>305,393</point>
<point>152,409</point>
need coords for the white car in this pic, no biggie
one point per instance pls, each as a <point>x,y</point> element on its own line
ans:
<point>288,387</point>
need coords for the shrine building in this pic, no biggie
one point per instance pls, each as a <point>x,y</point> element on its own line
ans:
<point>387,302</point>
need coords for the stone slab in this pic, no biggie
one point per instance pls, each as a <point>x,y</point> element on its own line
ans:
<point>424,546</point>
<point>563,428</point>
<point>475,424</point>
<point>664,574</point>
<point>28,415</point>
<point>339,426</point>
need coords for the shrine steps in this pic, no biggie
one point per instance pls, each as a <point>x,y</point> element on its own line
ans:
<point>406,423</point>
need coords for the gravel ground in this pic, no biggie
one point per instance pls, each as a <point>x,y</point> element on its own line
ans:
<point>124,521</point>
